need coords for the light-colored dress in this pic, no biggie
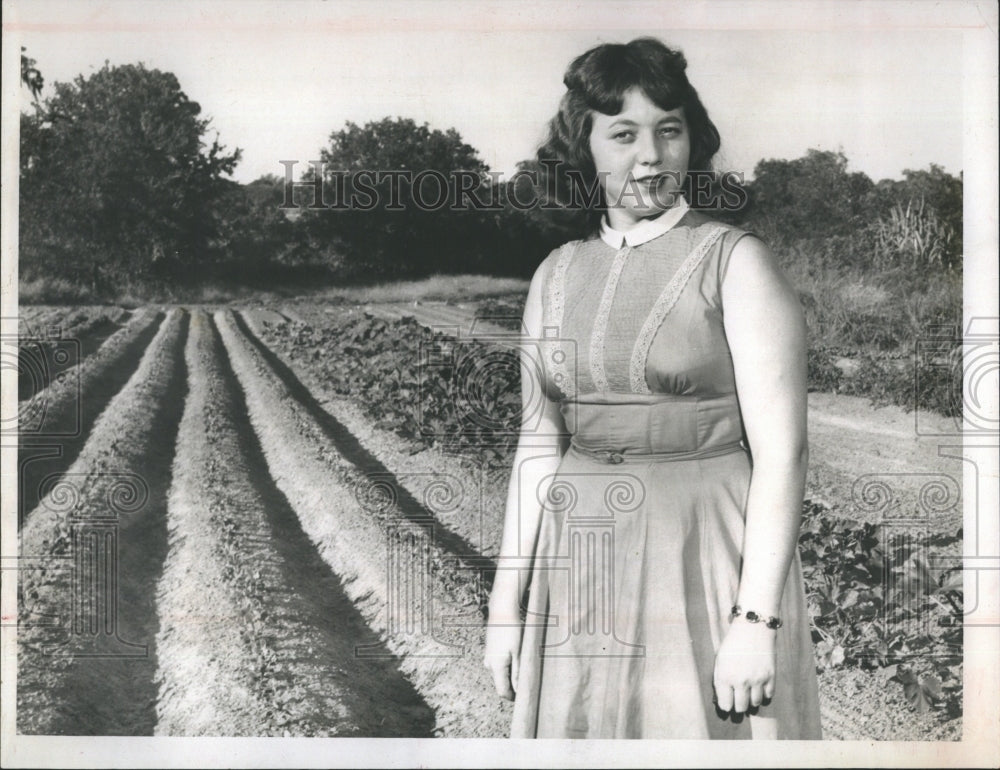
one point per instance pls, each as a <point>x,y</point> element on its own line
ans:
<point>638,555</point>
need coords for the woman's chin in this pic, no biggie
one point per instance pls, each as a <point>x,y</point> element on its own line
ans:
<point>651,211</point>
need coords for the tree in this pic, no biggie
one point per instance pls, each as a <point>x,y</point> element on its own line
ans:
<point>391,184</point>
<point>31,76</point>
<point>254,233</point>
<point>812,196</point>
<point>116,176</point>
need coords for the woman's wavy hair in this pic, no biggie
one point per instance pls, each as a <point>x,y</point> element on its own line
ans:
<point>597,81</point>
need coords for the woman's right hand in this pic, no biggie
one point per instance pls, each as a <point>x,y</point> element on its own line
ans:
<point>502,653</point>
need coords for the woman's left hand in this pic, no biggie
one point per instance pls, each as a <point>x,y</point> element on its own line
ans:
<point>745,666</point>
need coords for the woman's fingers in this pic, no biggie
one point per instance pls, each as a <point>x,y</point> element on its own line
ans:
<point>500,667</point>
<point>724,697</point>
<point>741,699</point>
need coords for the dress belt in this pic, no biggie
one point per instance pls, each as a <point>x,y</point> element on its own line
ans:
<point>614,457</point>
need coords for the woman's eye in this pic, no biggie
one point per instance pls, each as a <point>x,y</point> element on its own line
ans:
<point>622,135</point>
<point>669,131</point>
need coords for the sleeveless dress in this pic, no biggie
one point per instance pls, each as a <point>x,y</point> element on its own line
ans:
<point>637,561</point>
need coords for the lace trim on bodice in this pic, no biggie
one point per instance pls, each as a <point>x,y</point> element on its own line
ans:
<point>597,371</point>
<point>555,356</point>
<point>663,305</point>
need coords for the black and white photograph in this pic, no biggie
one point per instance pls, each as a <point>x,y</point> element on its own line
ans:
<point>405,372</point>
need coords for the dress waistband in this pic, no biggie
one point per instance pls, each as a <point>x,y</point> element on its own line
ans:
<point>614,457</point>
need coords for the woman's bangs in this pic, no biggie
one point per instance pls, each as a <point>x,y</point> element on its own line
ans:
<point>608,97</point>
<point>664,92</point>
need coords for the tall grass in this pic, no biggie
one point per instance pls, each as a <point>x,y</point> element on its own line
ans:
<point>850,310</point>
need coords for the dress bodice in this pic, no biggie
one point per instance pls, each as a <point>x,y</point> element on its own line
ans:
<point>642,327</point>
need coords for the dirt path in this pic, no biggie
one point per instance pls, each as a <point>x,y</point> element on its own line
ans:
<point>879,464</point>
<point>55,423</point>
<point>257,636</point>
<point>96,543</point>
<point>395,573</point>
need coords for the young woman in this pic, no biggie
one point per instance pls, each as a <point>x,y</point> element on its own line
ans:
<point>654,503</point>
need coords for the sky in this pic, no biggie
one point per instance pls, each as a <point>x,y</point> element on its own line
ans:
<point>881,82</point>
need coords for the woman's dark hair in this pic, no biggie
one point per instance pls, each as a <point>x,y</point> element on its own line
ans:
<point>598,80</point>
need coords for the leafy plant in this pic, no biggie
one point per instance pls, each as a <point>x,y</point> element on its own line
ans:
<point>876,602</point>
<point>428,387</point>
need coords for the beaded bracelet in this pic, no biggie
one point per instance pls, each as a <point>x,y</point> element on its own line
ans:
<point>752,617</point>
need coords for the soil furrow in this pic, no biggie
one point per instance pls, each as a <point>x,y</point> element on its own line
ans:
<point>91,554</point>
<point>76,343</point>
<point>391,569</point>
<point>258,637</point>
<point>466,494</point>
<point>55,423</point>
<point>348,446</point>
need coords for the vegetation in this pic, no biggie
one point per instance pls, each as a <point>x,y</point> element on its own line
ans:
<point>142,195</point>
<point>420,384</point>
<point>880,600</point>
<point>117,181</point>
<point>390,189</point>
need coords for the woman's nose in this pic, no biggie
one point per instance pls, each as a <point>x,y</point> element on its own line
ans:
<point>647,149</point>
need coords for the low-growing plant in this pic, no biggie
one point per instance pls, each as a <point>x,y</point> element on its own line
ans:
<point>428,387</point>
<point>934,385</point>
<point>878,599</point>
<point>823,374</point>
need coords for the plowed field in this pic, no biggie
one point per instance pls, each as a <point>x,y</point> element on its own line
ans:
<point>216,540</point>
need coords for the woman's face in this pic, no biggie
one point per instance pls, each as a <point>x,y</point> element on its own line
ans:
<point>641,156</point>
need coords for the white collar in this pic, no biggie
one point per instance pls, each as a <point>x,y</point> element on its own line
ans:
<point>646,230</point>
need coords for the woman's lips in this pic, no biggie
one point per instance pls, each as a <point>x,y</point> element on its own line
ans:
<point>651,181</point>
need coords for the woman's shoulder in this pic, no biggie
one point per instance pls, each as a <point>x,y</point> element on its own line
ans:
<point>561,253</point>
<point>716,241</point>
<point>702,222</point>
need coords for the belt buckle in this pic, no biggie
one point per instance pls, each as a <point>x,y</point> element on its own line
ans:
<point>613,457</point>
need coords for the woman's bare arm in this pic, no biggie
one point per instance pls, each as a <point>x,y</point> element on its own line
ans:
<point>767,337</point>
<point>536,459</point>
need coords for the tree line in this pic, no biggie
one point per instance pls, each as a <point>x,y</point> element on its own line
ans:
<point>121,180</point>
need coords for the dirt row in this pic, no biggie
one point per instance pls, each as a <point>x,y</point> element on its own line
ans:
<point>58,340</point>
<point>403,583</point>
<point>459,492</point>
<point>90,555</point>
<point>55,423</point>
<point>258,637</point>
